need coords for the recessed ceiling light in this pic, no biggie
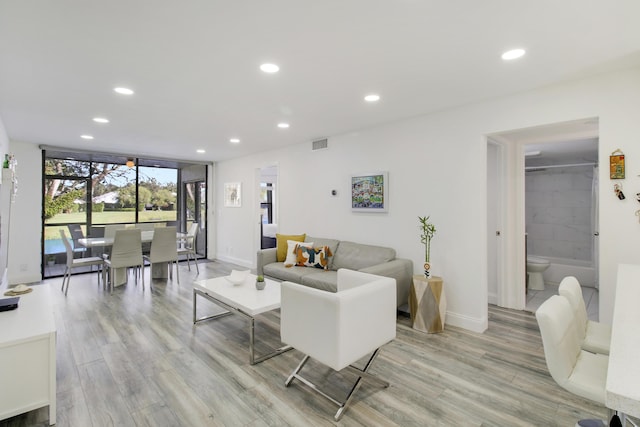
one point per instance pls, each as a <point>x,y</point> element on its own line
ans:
<point>270,68</point>
<point>100,120</point>
<point>372,98</point>
<point>513,54</point>
<point>283,125</point>
<point>86,136</point>
<point>123,90</point>
<point>234,140</point>
<point>200,151</point>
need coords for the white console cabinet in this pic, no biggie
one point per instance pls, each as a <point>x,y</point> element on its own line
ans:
<point>28,355</point>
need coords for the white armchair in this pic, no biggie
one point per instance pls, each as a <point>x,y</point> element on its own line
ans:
<point>338,329</point>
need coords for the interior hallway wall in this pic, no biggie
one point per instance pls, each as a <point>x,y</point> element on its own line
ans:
<point>25,234</point>
<point>437,167</point>
<point>4,149</point>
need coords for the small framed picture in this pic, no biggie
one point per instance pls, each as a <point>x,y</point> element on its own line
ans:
<point>370,192</point>
<point>233,195</point>
<point>616,165</point>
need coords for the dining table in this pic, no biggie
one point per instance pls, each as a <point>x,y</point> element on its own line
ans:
<point>158,270</point>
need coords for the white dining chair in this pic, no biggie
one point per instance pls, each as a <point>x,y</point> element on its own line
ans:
<point>149,226</point>
<point>594,336</point>
<point>164,249</point>
<point>188,246</point>
<point>76,234</point>
<point>578,371</point>
<point>125,252</point>
<point>78,262</point>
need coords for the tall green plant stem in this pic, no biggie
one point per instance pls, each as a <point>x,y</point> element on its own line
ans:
<point>428,230</point>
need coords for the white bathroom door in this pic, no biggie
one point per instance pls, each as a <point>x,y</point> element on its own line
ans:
<point>494,238</point>
<point>595,221</point>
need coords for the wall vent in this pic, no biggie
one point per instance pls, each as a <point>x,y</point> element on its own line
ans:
<point>320,144</point>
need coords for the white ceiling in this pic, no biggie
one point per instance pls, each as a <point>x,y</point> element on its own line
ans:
<point>194,65</point>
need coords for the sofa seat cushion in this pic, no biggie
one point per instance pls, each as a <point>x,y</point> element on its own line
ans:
<point>326,280</point>
<point>291,274</point>
<point>356,256</point>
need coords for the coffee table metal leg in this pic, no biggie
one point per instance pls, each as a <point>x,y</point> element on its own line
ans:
<point>231,310</point>
<point>252,358</point>
<point>213,316</point>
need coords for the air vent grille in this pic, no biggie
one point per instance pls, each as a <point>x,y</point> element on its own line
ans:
<point>320,144</point>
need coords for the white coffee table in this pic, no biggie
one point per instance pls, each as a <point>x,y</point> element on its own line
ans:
<point>244,300</point>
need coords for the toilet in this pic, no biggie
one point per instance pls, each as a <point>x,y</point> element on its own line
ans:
<point>535,267</point>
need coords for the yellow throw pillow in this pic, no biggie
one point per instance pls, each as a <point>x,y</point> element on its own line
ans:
<point>281,244</point>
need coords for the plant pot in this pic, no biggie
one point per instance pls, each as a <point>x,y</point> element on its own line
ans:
<point>260,285</point>
<point>427,269</point>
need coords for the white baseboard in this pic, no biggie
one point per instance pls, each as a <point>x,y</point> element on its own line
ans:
<point>493,298</point>
<point>466,322</point>
<point>238,261</point>
<point>17,279</point>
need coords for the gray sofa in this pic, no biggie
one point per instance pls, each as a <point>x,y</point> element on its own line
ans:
<point>354,256</point>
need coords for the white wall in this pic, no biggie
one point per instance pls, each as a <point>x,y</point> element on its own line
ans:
<point>437,167</point>
<point>26,216</point>
<point>4,148</point>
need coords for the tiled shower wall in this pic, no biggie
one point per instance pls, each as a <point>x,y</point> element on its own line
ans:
<point>558,212</point>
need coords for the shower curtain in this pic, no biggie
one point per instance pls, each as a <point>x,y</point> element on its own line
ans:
<point>595,247</point>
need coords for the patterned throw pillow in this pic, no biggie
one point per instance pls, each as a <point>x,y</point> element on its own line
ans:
<point>292,257</point>
<point>313,257</point>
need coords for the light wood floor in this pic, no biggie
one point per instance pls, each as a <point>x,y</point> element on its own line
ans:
<point>134,358</point>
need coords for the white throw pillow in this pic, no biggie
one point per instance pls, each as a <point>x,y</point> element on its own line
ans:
<point>291,259</point>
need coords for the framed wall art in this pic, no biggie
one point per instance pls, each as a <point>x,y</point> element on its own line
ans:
<point>232,195</point>
<point>370,192</point>
<point>616,165</point>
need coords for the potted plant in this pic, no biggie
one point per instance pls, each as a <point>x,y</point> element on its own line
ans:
<point>260,283</point>
<point>428,230</point>
<point>51,259</point>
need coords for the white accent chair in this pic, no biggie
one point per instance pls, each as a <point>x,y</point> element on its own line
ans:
<point>78,262</point>
<point>595,336</point>
<point>578,371</point>
<point>188,246</point>
<point>164,249</point>
<point>126,252</point>
<point>338,329</point>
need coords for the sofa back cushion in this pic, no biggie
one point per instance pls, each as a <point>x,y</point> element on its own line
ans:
<point>356,256</point>
<point>320,241</point>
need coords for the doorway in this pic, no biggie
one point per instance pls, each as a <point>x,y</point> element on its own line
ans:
<point>267,190</point>
<point>515,244</point>
<point>195,210</point>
